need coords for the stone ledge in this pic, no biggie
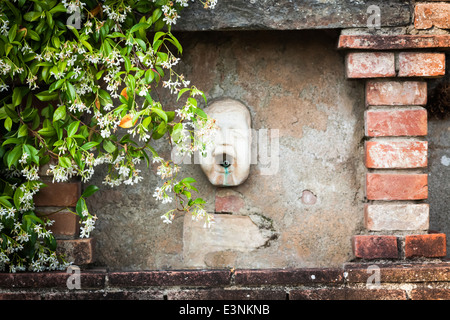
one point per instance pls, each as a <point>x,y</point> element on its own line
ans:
<point>394,42</point>
<point>399,272</point>
<point>351,272</point>
<point>209,278</point>
<point>426,280</point>
<point>289,15</point>
<point>288,276</point>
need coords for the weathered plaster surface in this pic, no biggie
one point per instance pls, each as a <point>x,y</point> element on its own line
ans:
<point>307,211</point>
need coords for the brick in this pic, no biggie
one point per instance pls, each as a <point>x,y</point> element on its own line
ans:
<point>54,279</point>
<point>318,294</point>
<point>63,194</point>
<point>428,293</point>
<point>384,217</point>
<point>19,296</point>
<point>399,272</point>
<point>204,278</point>
<point>347,294</point>
<point>426,245</point>
<point>396,154</point>
<point>421,64</point>
<point>66,223</point>
<point>396,93</point>
<point>375,246</point>
<point>393,42</point>
<point>228,201</point>
<point>79,251</point>
<point>287,276</point>
<point>427,15</point>
<point>370,64</point>
<point>386,186</point>
<point>396,122</point>
<point>227,294</point>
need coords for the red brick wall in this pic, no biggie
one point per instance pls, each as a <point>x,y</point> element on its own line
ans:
<point>395,69</point>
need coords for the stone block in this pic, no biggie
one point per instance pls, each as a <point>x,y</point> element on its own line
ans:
<point>421,64</point>
<point>66,224</point>
<point>427,15</point>
<point>386,186</point>
<point>228,201</point>
<point>228,233</point>
<point>383,217</point>
<point>396,122</point>
<point>370,64</point>
<point>375,246</point>
<point>426,245</point>
<point>62,194</point>
<point>78,251</point>
<point>406,154</point>
<point>396,93</point>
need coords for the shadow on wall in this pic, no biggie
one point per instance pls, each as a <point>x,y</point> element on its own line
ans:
<point>439,152</point>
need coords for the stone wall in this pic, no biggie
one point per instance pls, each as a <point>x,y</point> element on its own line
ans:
<point>361,177</point>
<point>293,82</point>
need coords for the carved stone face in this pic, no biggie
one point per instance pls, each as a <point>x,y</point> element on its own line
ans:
<point>227,162</point>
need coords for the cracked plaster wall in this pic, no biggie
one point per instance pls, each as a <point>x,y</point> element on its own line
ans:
<point>302,216</point>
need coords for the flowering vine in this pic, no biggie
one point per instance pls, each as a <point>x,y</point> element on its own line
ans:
<point>95,68</point>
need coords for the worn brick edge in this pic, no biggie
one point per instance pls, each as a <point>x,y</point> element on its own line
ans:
<point>426,280</point>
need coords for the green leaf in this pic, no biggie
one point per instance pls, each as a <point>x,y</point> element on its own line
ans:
<point>139,26</point>
<point>47,96</point>
<point>87,45</point>
<point>176,43</point>
<point>4,201</point>
<point>12,33</point>
<point>60,113</point>
<point>109,146</point>
<point>48,130</point>
<point>189,180</point>
<point>32,16</point>
<point>33,35</point>
<point>90,191</point>
<point>80,206</point>
<point>156,14</point>
<point>149,76</point>
<point>8,123</point>
<point>176,132</point>
<point>160,113</point>
<point>59,8</point>
<point>65,162</point>
<point>12,141</point>
<point>157,36</point>
<point>71,93</point>
<point>17,195</point>
<point>23,131</point>
<point>14,156</point>
<point>32,153</point>
<point>72,128</point>
<point>50,21</point>
<point>160,131</point>
<point>180,93</point>
<point>89,145</point>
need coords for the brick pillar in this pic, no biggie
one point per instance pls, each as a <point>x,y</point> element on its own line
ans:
<point>54,202</point>
<point>396,214</point>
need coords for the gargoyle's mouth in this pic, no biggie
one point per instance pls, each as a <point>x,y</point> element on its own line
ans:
<point>224,161</point>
